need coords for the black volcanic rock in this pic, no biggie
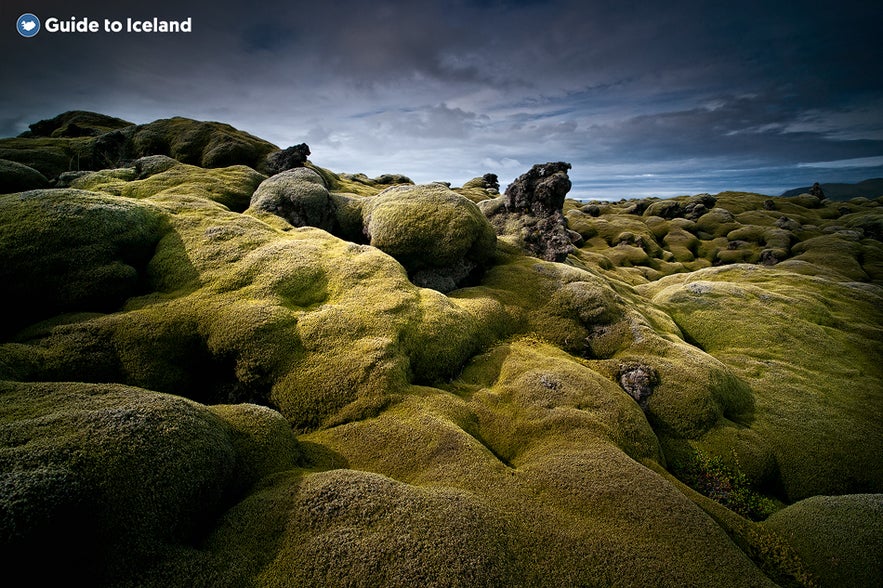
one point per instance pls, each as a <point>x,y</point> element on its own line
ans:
<point>532,209</point>
<point>290,158</point>
<point>541,190</point>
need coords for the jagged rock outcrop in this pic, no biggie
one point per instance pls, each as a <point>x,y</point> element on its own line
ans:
<point>289,158</point>
<point>531,211</point>
<point>540,191</point>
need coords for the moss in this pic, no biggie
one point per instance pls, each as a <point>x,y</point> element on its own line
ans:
<point>299,196</point>
<point>17,177</point>
<point>262,438</point>
<point>50,157</point>
<point>838,537</point>
<point>833,255</point>
<point>717,222</point>
<point>206,144</point>
<point>68,250</point>
<point>724,484</point>
<point>76,123</point>
<point>107,474</point>
<point>231,186</point>
<point>810,362</point>
<point>494,434</point>
<point>428,225</point>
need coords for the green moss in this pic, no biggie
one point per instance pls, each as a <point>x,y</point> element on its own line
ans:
<point>230,186</point>
<point>833,255</point>
<point>107,475</point>
<point>809,358</point>
<point>425,226</point>
<point>838,537</point>
<point>50,157</point>
<point>70,250</point>
<point>17,177</point>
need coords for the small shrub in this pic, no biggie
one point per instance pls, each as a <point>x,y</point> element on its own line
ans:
<point>727,485</point>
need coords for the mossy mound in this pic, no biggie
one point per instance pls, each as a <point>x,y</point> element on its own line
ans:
<point>66,250</point>
<point>17,177</point>
<point>76,141</point>
<point>275,400</point>
<point>685,234</point>
<point>206,144</point>
<point>222,307</point>
<point>75,123</point>
<point>839,537</point>
<point>300,197</point>
<point>440,237</point>
<point>160,175</point>
<point>108,477</point>
<point>774,329</point>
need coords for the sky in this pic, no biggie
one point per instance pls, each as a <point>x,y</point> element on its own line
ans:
<point>655,98</point>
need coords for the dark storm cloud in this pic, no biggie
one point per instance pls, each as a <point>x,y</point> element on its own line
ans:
<point>445,90</point>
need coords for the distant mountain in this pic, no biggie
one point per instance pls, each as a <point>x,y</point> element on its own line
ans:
<point>868,188</point>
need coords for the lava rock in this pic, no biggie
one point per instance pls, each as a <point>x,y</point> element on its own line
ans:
<point>638,380</point>
<point>541,190</point>
<point>290,158</point>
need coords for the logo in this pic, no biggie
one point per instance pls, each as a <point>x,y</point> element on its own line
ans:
<point>28,25</point>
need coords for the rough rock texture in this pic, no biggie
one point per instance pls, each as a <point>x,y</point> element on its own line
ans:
<point>540,191</point>
<point>531,211</point>
<point>289,158</point>
<point>639,381</point>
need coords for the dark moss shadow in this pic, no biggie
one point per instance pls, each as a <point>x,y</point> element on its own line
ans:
<point>93,258</point>
<point>318,457</point>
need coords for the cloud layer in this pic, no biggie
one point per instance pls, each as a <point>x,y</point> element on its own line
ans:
<point>659,99</point>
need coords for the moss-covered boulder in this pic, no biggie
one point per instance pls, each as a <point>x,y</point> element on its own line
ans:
<point>72,250</point>
<point>107,478</point>
<point>440,237</point>
<point>17,177</point>
<point>839,537</point>
<point>300,197</point>
<point>78,141</point>
<point>162,176</point>
<point>775,329</point>
<point>75,123</point>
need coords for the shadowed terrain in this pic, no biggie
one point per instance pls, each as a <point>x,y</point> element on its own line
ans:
<point>212,376</point>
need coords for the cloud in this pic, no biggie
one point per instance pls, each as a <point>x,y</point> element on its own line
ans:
<point>845,163</point>
<point>451,90</point>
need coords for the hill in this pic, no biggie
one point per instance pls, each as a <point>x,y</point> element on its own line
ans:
<point>222,364</point>
<point>866,189</point>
